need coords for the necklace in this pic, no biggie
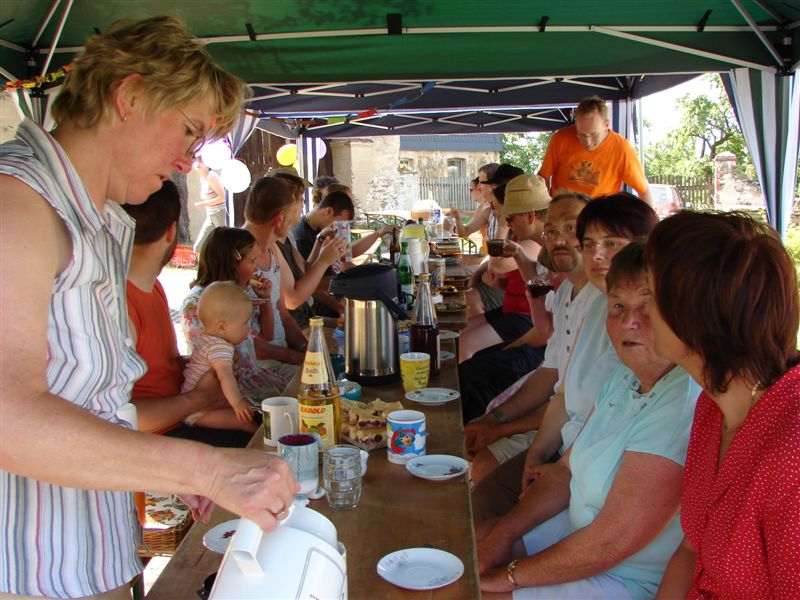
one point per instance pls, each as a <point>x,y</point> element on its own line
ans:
<point>753,392</point>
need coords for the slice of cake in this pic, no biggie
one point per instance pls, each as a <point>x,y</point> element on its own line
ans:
<point>364,423</point>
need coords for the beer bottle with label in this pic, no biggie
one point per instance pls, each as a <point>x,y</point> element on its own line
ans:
<point>405,277</point>
<point>319,393</point>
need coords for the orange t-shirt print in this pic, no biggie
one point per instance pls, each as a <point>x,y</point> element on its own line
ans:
<point>594,172</point>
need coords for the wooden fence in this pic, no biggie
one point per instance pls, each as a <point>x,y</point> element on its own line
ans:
<point>697,192</point>
<point>453,192</point>
<point>448,192</point>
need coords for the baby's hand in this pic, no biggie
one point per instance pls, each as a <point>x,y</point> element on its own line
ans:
<point>243,410</point>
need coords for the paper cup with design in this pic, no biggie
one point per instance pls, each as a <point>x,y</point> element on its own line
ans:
<point>301,451</point>
<point>280,418</point>
<point>343,231</point>
<point>415,368</point>
<point>405,435</point>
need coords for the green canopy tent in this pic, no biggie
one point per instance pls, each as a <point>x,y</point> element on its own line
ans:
<point>312,44</point>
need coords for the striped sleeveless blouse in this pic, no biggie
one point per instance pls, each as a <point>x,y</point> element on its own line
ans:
<point>59,541</point>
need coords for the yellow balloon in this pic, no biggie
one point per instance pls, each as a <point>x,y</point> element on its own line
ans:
<point>287,154</point>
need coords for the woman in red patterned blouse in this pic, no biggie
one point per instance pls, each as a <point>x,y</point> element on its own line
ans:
<point>725,307</point>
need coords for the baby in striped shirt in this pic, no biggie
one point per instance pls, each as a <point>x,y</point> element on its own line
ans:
<point>224,309</point>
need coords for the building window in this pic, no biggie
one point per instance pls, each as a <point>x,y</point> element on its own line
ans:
<point>406,165</point>
<point>455,167</point>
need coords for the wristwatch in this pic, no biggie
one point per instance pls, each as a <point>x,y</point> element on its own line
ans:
<point>510,572</point>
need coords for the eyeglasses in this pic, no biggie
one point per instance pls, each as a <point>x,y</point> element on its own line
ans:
<point>553,233</point>
<point>198,139</point>
<point>609,245</point>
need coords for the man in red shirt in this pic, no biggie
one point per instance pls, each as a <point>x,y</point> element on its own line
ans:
<point>159,404</point>
<point>588,157</point>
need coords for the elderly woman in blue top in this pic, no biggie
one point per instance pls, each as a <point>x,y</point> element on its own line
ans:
<point>604,517</point>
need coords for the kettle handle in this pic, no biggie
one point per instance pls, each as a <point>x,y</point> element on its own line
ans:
<point>393,307</point>
<point>244,547</point>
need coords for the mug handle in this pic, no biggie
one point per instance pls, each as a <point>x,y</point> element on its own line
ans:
<point>292,422</point>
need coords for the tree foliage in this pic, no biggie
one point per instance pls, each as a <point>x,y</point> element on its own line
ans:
<point>707,128</point>
<point>525,150</point>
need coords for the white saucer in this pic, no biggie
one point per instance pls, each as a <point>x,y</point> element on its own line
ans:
<point>420,568</point>
<point>437,467</point>
<point>445,355</point>
<point>433,396</point>
<point>217,538</point>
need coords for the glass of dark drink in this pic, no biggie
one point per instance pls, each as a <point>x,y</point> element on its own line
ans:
<point>495,247</point>
<point>540,286</point>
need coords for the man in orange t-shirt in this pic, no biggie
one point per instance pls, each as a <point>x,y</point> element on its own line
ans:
<point>590,158</point>
<point>160,405</point>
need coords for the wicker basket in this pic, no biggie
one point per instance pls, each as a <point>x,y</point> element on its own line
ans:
<point>159,540</point>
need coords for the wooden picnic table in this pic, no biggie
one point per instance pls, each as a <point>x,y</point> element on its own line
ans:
<point>396,511</point>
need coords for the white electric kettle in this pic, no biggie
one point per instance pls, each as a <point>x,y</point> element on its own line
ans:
<point>300,559</point>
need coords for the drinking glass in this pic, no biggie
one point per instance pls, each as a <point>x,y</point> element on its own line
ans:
<point>341,476</point>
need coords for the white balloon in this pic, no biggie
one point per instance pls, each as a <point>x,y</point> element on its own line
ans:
<point>322,149</point>
<point>235,176</point>
<point>216,154</point>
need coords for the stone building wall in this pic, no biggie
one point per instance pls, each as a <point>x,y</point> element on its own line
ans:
<point>370,167</point>
<point>732,189</point>
<point>433,163</point>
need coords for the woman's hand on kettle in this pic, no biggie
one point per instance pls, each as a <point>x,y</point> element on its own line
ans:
<point>252,484</point>
<point>332,250</point>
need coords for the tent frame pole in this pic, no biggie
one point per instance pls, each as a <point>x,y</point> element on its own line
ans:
<point>56,37</point>
<point>227,39</point>
<point>760,34</point>
<point>679,48</point>
<point>45,22</point>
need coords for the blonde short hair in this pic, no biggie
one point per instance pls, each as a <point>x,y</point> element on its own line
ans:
<point>592,104</point>
<point>174,66</point>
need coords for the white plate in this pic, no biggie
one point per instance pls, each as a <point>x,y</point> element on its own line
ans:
<point>445,355</point>
<point>437,467</point>
<point>217,538</point>
<point>433,396</point>
<point>420,568</point>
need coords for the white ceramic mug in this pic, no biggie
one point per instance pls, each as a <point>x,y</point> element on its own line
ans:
<point>280,415</point>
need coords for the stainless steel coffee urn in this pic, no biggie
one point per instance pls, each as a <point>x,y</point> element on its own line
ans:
<point>371,311</point>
